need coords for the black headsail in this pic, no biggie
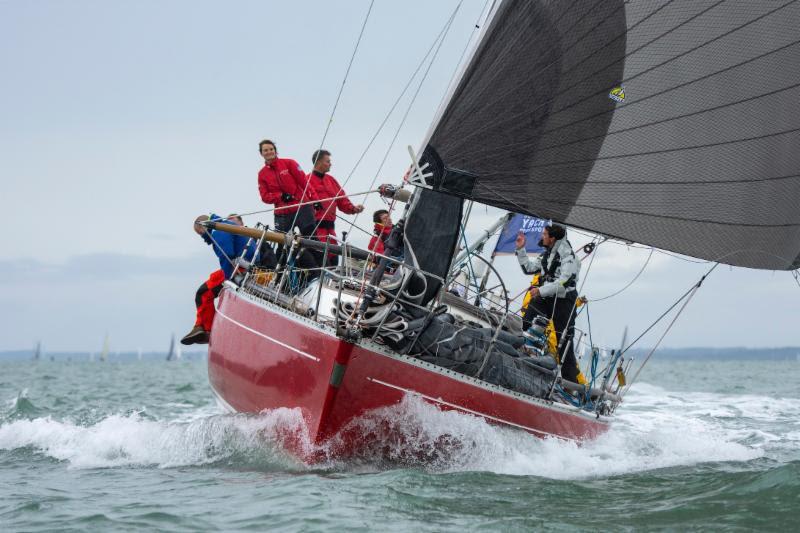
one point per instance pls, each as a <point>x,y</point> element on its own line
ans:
<point>669,123</point>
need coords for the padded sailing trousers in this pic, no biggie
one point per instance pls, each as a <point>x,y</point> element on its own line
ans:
<point>204,299</point>
<point>562,311</point>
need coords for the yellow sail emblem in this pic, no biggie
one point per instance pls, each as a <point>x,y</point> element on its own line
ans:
<point>617,94</point>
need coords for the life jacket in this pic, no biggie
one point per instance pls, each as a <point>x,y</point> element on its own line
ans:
<point>551,265</point>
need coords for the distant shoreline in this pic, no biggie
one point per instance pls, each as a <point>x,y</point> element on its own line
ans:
<point>791,353</point>
<point>27,355</point>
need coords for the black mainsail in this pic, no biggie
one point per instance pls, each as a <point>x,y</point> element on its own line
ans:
<point>669,123</point>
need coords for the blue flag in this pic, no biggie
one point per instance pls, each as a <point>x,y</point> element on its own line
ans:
<point>532,227</point>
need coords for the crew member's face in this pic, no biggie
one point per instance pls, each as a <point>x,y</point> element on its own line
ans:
<point>386,219</point>
<point>268,152</point>
<point>323,164</point>
<point>547,240</point>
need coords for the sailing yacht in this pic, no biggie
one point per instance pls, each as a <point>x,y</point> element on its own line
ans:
<point>670,124</point>
<point>175,353</point>
<point>104,352</point>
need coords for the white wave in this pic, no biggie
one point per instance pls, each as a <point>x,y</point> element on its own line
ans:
<point>11,403</point>
<point>654,429</point>
<point>132,440</point>
<point>474,445</point>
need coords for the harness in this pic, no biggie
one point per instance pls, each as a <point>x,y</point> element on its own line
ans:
<point>549,268</point>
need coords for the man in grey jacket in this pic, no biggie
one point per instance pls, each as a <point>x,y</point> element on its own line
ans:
<point>558,268</point>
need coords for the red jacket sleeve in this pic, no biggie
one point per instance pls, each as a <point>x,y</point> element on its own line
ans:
<point>301,180</point>
<point>344,204</point>
<point>269,193</point>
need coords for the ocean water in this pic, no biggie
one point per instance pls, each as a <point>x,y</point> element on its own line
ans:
<point>142,446</point>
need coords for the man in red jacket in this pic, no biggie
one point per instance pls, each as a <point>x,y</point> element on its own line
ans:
<point>330,196</point>
<point>284,184</point>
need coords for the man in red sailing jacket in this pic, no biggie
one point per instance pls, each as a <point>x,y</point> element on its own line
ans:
<point>330,196</point>
<point>284,184</point>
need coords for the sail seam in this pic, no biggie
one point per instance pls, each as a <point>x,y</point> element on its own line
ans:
<point>523,209</point>
<point>666,150</point>
<point>514,118</point>
<point>681,183</point>
<point>648,97</point>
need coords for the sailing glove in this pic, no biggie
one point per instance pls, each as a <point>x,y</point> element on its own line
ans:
<point>286,197</point>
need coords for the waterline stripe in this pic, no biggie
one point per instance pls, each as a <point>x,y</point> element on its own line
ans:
<point>460,408</point>
<point>276,341</point>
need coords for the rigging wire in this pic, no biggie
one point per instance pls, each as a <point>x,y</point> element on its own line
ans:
<point>631,282</point>
<point>665,313</point>
<point>691,294</point>
<point>463,53</point>
<point>440,36</point>
<point>271,209</point>
<point>346,75</point>
<point>446,30</point>
<point>338,97</point>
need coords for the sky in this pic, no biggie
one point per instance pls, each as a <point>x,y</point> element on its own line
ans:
<point>123,121</point>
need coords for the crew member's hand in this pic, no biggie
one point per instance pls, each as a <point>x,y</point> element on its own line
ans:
<point>359,208</point>
<point>520,242</point>
<point>534,292</point>
<point>286,197</point>
<point>317,206</point>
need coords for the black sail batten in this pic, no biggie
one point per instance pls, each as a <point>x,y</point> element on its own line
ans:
<point>672,124</point>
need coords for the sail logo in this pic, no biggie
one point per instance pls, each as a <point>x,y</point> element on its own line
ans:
<point>617,94</point>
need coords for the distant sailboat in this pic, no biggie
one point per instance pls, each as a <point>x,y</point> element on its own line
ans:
<point>104,353</point>
<point>139,355</point>
<point>174,353</point>
<point>37,353</point>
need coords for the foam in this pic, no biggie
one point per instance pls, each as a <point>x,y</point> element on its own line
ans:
<point>134,440</point>
<point>475,445</point>
<point>654,429</point>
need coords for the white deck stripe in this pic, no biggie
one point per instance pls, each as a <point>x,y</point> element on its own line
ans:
<point>460,408</point>
<point>276,341</point>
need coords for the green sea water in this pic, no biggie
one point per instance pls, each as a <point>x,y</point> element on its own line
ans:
<point>143,446</point>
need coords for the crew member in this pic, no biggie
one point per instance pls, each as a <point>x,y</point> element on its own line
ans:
<point>381,230</point>
<point>284,184</point>
<point>227,247</point>
<point>558,270</point>
<point>330,196</point>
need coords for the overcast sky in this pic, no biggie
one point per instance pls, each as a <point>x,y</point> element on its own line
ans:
<point>122,121</point>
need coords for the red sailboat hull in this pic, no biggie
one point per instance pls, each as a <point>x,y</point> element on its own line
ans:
<point>262,357</point>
